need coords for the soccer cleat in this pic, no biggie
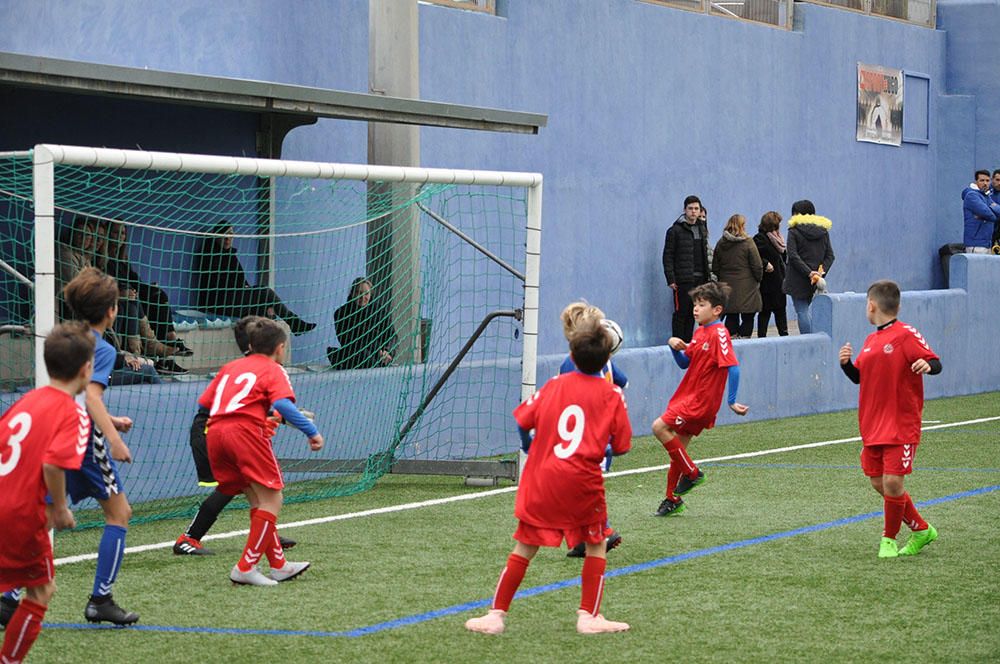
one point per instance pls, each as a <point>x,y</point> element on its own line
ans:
<point>686,483</point>
<point>289,571</point>
<point>888,548</point>
<point>7,608</point>
<point>251,578</point>
<point>491,623</point>
<point>108,611</point>
<point>918,540</point>
<point>670,507</point>
<point>580,550</point>
<point>286,543</point>
<point>168,367</point>
<point>587,623</point>
<point>614,539</point>
<point>189,546</point>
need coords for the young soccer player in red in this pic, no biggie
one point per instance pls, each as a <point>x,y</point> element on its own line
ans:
<point>709,360</point>
<point>41,436</point>
<point>239,446</point>
<point>561,492</point>
<point>890,371</point>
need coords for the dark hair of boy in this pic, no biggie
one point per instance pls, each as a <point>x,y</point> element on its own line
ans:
<point>805,206</point>
<point>68,347</point>
<point>265,335</point>
<point>241,334</point>
<point>691,199</point>
<point>885,295</point>
<point>590,346</point>
<point>716,293</point>
<point>981,171</point>
<point>90,294</point>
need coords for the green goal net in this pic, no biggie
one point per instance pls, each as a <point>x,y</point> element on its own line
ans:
<point>410,296</point>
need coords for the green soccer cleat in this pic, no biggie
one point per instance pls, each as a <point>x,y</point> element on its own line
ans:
<point>888,548</point>
<point>686,483</point>
<point>918,540</point>
<point>670,507</point>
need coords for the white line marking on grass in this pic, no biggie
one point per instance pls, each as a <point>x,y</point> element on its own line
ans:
<point>495,492</point>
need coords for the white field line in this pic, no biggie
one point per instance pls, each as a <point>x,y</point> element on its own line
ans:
<point>495,492</point>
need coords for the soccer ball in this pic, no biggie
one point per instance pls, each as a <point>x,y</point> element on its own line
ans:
<point>615,332</point>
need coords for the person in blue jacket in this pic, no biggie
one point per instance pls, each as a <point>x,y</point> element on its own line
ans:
<point>981,215</point>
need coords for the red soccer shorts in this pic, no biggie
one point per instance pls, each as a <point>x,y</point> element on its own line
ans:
<point>878,460</point>
<point>536,536</point>
<point>241,453</point>
<point>680,423</point>
<point>18,574</point>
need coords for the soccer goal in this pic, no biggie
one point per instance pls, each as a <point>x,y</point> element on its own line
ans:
<point>411,296</point>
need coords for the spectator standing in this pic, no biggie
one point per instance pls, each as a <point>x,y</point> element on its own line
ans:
<point>773,254</point>
<point>810,256</point>
<point>995,197</point>
<point>981,214</point>
<point>737,263</point>
<point>686,263</point>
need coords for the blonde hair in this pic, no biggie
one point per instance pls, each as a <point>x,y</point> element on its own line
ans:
<point>577,312</point>
<point>737,225</point>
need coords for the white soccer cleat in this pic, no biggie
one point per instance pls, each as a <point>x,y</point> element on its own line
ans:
<point>491,623</point>
<point>289,571</point>
<point>251,578</point>
<point>591,624</point>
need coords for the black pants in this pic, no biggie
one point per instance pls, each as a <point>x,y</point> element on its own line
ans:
<point>780,319</point>
<point>740,325</point>
<point>251,301</point>
<point>683,319</point>
<point>157,308</point>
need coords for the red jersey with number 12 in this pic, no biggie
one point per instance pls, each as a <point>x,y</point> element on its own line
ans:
<point>891,399</point>
<point>573,416</point>
<point>699,395</point>
<point>245,389</point>
<point>45,426</point>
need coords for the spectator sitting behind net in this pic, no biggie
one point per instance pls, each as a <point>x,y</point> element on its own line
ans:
<point>223,287</point>
<point>363,329</point>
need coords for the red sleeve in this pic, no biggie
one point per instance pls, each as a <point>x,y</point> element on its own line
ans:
<point>205,400</point>
<point>277,385</point>
<point>916,347</point>
<point>722,348</point>
<point>621,428</point>
<point>527,413</point>
<point>69,438</point>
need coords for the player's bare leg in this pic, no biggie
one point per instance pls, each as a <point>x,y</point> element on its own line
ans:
<point>494,620</point>
<point>589,619</point>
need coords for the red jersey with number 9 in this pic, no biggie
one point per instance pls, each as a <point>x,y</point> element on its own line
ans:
<point>245,389</point>
<point>573,416</point>
<point>45,426</point>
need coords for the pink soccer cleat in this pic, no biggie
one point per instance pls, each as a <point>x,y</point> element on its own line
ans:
<point>587,623</point>
<point>491,623</point>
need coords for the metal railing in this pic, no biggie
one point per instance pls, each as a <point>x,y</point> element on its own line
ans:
<point>918,12</point>
<point>770,12</point>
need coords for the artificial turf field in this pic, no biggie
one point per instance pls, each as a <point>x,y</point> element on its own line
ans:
<point>774,560</point>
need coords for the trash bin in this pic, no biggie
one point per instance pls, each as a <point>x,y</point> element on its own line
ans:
<point>945,253</point>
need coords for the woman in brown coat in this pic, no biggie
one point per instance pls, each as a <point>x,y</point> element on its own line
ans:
<point>737,263</point>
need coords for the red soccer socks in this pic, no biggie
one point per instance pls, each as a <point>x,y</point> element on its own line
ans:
<point>680,464</point>
<point>22,630</point>
<point>895,506</point>
<point>261,538</point>
<point>592,584</point>
<point>510,580</point>
<point>911,517</point>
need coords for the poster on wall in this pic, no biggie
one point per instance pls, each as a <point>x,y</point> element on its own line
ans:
<point>880,105</point>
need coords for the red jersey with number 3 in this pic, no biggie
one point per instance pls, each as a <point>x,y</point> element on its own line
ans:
<point>573,416</point>
<point>245,389</point>
<point>891,399</point>
<point>699,395</point>
<point>45,426</point>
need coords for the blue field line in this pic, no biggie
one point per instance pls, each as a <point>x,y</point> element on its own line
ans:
<point>528,592</point>
<point>819,466</point>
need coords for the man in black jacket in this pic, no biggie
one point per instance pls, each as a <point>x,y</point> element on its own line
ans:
<point>685,263</point>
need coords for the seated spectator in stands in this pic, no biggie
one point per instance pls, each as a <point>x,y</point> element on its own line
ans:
<point>223,288</point>
<point>131,324</point>
<point>771,247</point>
<point>736,262</point>
<point>130,369</point>
<point>74,251</point>
<point>981,215</point>
<point>810,256</point>
<point>151,297</point>
<point>363,329</point>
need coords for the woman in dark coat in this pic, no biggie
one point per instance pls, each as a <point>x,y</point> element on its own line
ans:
<point>771,247</point>
<point>810,256</point>
<point>363,330</point>
<point>223,287</point>
<point>736,262</point>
